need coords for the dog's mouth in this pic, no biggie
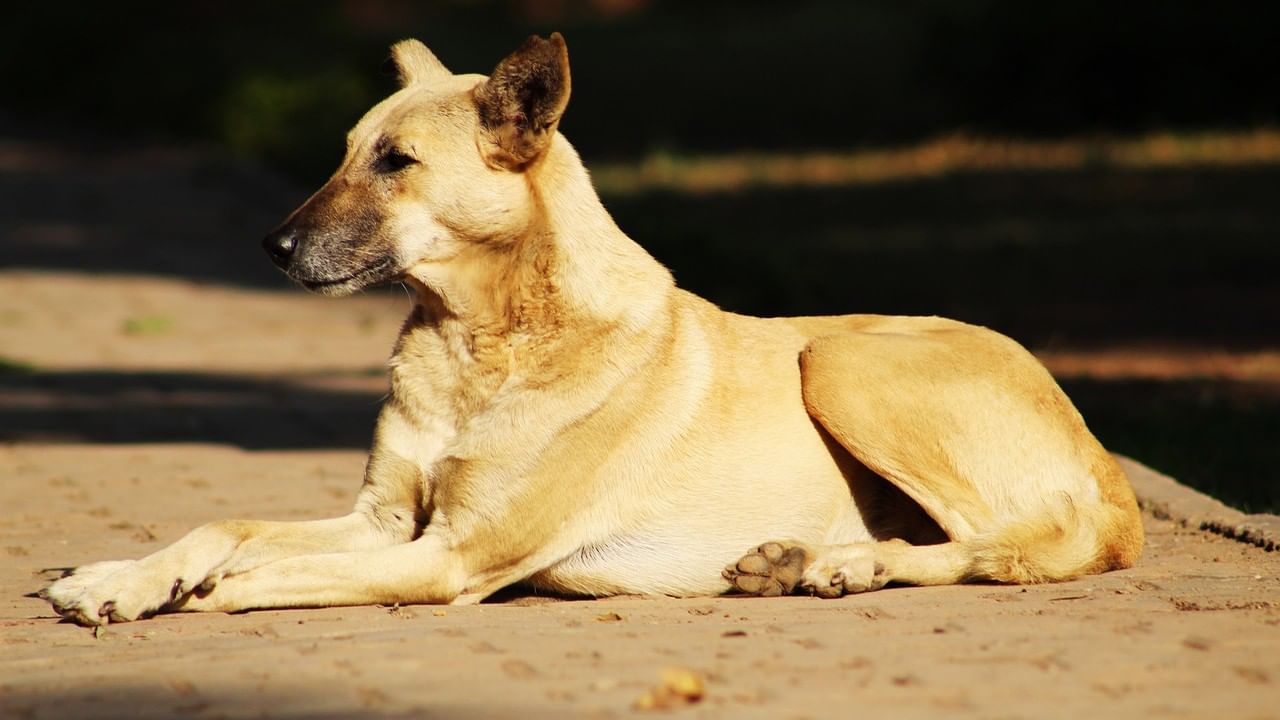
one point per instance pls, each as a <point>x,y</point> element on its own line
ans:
<point>383,270</point>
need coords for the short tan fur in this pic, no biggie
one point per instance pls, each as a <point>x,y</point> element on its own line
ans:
<point>561,414</point>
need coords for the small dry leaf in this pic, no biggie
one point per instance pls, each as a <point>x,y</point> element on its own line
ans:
<point>679,686</point>
<point>609,617</point>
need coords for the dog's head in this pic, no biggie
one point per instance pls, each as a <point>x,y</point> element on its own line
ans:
<point>435,169</point>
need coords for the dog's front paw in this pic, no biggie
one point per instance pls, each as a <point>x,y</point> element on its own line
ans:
<point>113,591</point>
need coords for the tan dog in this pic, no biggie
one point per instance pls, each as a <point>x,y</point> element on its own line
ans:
<point>562,415</point>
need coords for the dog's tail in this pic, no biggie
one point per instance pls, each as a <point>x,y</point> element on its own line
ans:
<point>1065,542</point>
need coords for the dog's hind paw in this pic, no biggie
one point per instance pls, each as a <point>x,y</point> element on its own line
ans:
<point>844,570</point>
<point>770,570</point>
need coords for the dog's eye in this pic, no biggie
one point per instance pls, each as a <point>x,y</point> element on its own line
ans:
<point>395,160</point>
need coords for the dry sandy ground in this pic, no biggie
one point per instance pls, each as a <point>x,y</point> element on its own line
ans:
<point>133,407</point>
<point>1192,632</point>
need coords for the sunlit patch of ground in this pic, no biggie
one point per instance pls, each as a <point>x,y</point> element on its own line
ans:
<point>1164,364</point>
<point>956,153</point>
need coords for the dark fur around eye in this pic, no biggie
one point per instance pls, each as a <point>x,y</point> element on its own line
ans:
<point>394,160</point>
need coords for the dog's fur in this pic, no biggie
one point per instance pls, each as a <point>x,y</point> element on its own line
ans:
<point>562,415</point>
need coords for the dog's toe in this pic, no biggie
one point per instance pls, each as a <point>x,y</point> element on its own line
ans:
<point>754,564</point>
<point>854,569</point>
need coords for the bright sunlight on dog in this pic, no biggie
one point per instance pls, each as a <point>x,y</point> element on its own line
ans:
<point>561,415</point>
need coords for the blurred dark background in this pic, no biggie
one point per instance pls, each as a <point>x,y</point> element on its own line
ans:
<point>282,81</point>
<point>1148,280</point>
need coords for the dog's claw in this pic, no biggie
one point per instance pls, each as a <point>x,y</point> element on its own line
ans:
<point>175,592</point>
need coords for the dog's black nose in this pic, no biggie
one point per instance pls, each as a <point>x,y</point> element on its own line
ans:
<point>280,246</point>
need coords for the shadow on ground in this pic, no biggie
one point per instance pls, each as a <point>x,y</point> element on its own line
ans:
<point>148,407</point>
<point>177,697</point>
<point>1217,436</point>
<point>1083,259</point>
<point>1183,257</point>
<point>102,208</point>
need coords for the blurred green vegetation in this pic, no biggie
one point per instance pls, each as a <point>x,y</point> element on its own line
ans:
<point>280,81</point>
<point>15,367</point>
<point>1180,258</point>
<point>147,325</point>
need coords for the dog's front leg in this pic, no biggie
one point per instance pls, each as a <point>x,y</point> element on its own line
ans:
<point>123,590</point>
<point>387,512</point>
<point>426,570</point>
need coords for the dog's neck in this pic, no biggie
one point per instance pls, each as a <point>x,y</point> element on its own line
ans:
<point>574,268</point>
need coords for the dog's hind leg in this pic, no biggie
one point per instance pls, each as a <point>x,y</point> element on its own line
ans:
<point>968,425</point>
<point>1056,547</point>
<point>779,568</point>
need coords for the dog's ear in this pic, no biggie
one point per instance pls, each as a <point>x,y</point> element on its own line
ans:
<point>522,101</point>
<point>411,62</point>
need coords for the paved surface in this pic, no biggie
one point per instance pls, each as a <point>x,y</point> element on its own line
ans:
<point>1193,631</point>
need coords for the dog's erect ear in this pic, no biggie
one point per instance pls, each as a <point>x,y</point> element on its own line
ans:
<point>522,101</point>
<point>412,62</point>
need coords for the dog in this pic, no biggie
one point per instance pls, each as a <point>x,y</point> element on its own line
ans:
<point>562,415</point>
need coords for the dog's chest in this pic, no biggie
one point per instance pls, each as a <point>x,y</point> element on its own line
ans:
<point>447,375</point>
